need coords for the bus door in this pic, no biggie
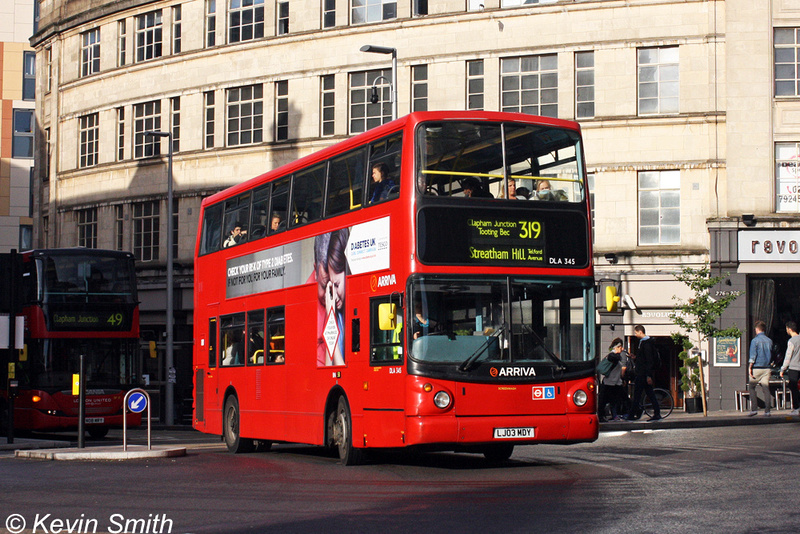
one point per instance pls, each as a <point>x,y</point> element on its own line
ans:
<point>206,380</point>
<point>384,401</point>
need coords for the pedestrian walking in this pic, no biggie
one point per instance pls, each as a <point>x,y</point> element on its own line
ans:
<point>759,369</point>
<point>645,370</point>
<point>791,365</point>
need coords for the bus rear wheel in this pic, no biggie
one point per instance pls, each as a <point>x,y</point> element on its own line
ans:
<point>230,428</point>
<point>343,435</point>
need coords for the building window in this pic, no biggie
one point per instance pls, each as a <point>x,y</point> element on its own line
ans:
<point>787,61</point>
<point>145,231</point>
<point>658,80</point>
<point>365,115</point>
<point>22,143</point>
<point>90,52</point>
<point>119,220</point>
<point>211,23</point>
<point>787,177</point>
<point>26,235</point>
<point>208,106</point>
<point>245,115</point>
<point>420,7</point>
<point>120,134</point>
<point>148,36</point>
<point>281,110</point>
<point>88,133</point>
<point>175,232</point>
<point>419,88</point>
<point>517,3</point>
<point>246,20</point>
<point>48,156</point>
<point>475,84</point>
<point>328,13</point>
<point>48,54</point>
<point>475,5</point>
<point>175,122</point>
<point>327,104</point>
<point>373,10</point>
<point>29,76</point>
<point>176,29</point>
<point>584,85</point>
<point>146,118</point>
<point>530,85</point>
<point>87,228</point>
<point>659,207</point>
<point>283,18</point>
<point>122,42</point>
<point>590,183</point>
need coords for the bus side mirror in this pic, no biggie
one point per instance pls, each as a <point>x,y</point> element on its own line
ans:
<point>387,316</point>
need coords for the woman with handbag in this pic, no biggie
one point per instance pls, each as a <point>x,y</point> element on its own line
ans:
<point>612,391</point>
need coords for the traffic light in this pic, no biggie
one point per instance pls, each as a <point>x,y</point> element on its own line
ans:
<point>612,299</point>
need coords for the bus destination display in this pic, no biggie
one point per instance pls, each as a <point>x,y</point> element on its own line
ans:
<point>61,320</point>
<point>496,239</point>
<point>511,237</point>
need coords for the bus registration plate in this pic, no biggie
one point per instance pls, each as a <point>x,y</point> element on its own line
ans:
<point>94,420</point>
<point>513,433</point>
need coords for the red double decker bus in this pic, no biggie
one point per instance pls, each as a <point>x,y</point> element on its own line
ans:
<point>75,302</point>
<point>428,283</point>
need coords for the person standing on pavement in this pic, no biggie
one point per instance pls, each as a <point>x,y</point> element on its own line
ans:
<point>791,362</point>
<point>643,382</point>
<point>611,389</point>
<point>759,370</point>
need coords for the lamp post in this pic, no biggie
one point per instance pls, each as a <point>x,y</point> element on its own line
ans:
<point>393,51</point>
<point>170,389</point>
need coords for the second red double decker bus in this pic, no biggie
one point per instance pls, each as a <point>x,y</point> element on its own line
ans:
<point>428,283</point>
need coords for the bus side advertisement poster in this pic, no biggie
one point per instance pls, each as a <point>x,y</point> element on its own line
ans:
<point>508,238</point>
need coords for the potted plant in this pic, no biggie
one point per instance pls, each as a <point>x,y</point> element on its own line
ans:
<point>690,375</point>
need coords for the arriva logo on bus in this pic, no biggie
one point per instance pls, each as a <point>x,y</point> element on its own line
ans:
<point>512,371</point>
<point>377,282</point>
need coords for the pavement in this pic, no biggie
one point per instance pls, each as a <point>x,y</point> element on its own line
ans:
<point>45,449</point>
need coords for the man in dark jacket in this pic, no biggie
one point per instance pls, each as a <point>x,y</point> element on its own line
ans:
<point>645,370</point>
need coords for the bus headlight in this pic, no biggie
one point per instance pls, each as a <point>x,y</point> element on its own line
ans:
<point>580,397</point>
<point>442,400</point>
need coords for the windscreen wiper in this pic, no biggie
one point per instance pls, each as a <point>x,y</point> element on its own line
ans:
<point>470,362</point>
<point>556,359</point>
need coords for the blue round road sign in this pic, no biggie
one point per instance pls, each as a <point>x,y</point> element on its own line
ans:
<point>137,402</point>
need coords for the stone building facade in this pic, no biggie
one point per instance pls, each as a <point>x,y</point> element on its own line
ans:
<point>690,112</point>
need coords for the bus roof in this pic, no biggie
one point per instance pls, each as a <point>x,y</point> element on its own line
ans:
<point>411,120</point>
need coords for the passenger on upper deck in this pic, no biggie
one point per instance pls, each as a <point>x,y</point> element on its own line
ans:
<point>472,188</point>
<point>545,192</point>
<point>383,184</point>
<point>238,235</point>
<point>512,190</point>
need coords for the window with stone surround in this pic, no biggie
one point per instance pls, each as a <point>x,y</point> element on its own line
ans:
<point>283,18</point>
<point>328,13</point>
<point>245,20</point>
<point>787,177</point>
<point>87,228</point>
<point>364,11</point>
<point>146,118</point>
<point>145,230</point>
<point>584,85</point>
<point>659,207</point>
<point>658,70</point>
<point>365,115</point>
<point>475,84</point>
<point>327,104</point>
<point>787,61</point>
<point>245,109</point>
<point>148,36</point>
<point>529,84</point>
<point>90,52</point>
<point>88,133</point>
<point>281,110</point>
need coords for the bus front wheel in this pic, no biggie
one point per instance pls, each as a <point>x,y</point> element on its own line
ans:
<point>230,428</point>
<point>343,435</point>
